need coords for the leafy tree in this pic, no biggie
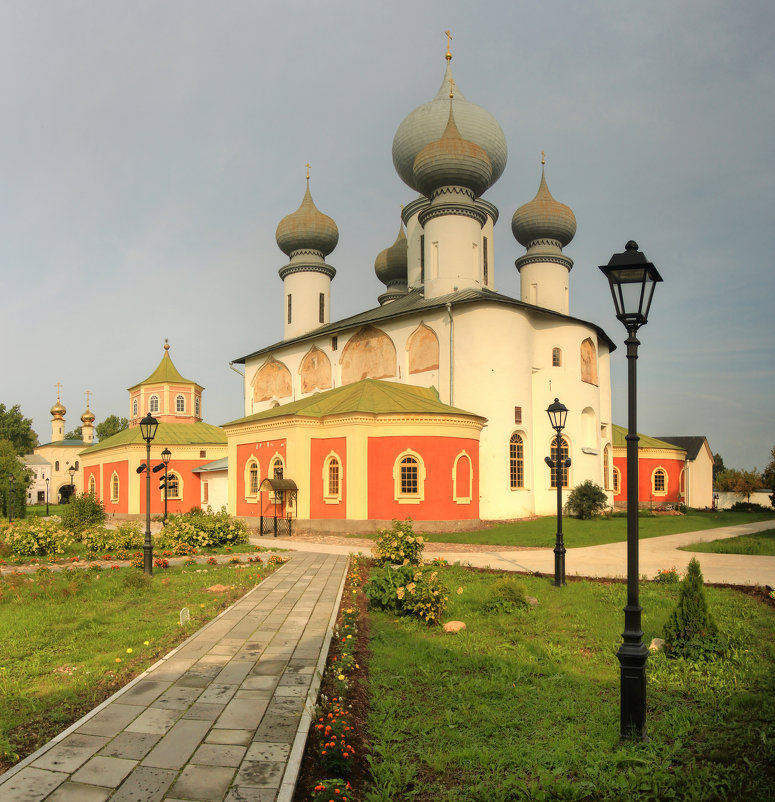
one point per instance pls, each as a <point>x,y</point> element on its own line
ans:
<point>110,426</point>
<point>586,500</point>
<point>76,434</point>
<point>691,630</point>
<point>10,466</point>
<point>741,482</point>
<point>82,512</point>
<point>17,429</point>
<point>718,465</point>
<point>768,477</point>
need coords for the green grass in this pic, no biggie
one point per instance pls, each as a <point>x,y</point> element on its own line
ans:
<point>541,531</point>
<point>65,638</point>
<point>526,705</point>
<point>40,509</point>
<point>761,543</point>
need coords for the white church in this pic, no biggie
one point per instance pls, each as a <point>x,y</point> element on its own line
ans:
<point>431,405</point>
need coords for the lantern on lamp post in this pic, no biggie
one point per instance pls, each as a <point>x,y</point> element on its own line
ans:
<point>632,280</point>
<point>148,427</point>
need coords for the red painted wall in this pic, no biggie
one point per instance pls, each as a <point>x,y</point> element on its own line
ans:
<point>320,448</point>
<point>438,455</point>
<point>190,487</point>
<point>94,471</point>
<point>264,453</point>
<point>646,467</point>
<point>120,467</point>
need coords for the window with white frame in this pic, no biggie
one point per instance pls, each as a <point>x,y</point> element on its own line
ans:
<point>134,407</point>
<point>114,488</point>
<point>197,406</point>
<point>332,479</point>
<point>173,485</point>
<point>251,477</point>
<point>659,482</point>
<point>180,403</point>
<point>556,358</point>
<point>409,478</point>
<point>516,461</point>
<point>617,480</point>
<point>153,404</point>
<point>92,486</point>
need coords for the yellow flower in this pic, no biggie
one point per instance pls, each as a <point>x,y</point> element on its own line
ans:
<point>146,643</point>
<point>129,651</point>
<point>459,591</point>
<point>340,677</point>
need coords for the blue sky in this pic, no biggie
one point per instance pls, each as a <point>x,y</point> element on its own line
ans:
<point>148,151</point>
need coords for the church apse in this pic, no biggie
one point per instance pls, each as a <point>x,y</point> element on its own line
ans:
<point>273,380</point>
<point>422,350</point>
<point>369,354</point>
<point>315,371</point>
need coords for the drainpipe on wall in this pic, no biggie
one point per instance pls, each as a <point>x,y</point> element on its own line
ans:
<point>451,356</point>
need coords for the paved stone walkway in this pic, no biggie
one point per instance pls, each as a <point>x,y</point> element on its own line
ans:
<point>222,718</point>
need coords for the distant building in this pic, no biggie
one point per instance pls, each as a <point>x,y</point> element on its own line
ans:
<point>40,468</point>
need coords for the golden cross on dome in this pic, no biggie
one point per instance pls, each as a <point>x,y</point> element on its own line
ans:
<point>448,57</point>
<point>451,87</point>
<point>58,385</point>
<point>543,158</point>
<point>87,394</point>
<point>307,165</point>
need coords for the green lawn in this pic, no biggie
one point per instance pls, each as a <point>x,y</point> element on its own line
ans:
<point>761,543</point>
<point>525,705</point>
<point>72,638</point>
<point>40,509</point>
<point>541,531</point>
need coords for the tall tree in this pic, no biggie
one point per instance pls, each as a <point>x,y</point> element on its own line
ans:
<point>17,429</point>
<point>741,482</point>
<point>718,465</point>
<point>110,426</point>
<point>768,476</point>
<point>76,434</point>
<point>10,466</point>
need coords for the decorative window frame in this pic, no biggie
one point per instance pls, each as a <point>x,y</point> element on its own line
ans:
<point>179,496</point>
<point>566,471</point>
<point>153,401</point>
<point>606,466</point>
<point>115,488</point>
<point>135,407</point>
<point>251,496</point>
<point>457,498</point>
<point>92,485</point>
<point>276,457</point>
<point>663,471</point>
<point>328,496</point>
<point>409,498</point>
<point>197,407</point>
<point>616,480</point>
<point>516,460</point>
<point>180,403</point>
<point>556,357</point>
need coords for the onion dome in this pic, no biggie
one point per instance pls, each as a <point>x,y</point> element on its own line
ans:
<point>58,410</point>
<point>307,229</point>
<point>543,218</point>
<point>426,124</point>
<point>452,161</point>
<point>390,265</point>
<point>88,417</point>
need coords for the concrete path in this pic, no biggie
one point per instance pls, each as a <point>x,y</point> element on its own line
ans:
<point>222,718</point>
<point>608,560</point>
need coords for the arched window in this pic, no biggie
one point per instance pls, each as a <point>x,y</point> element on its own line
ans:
<point>114,488</point>
<point>332,479</point>
<point>563,455</point>
<point>659,482</point>
<point>278,468</point>
<point>180,403</point>
<point>76,465</point>
<point>516,461</point>
<point>606,466</point>
<point>252,479</point>
<point>56,465</point>
<point>173,485</point>
<point>617,480</point>
<point>92,486</point>
<point>153,404</point>
<point>197,406</point>
<point>462,479</point>
<point>134,408</point>
<point>409,478</point>
<point>556,357</point>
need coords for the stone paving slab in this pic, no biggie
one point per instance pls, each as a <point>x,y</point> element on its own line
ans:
<point>222,718</point>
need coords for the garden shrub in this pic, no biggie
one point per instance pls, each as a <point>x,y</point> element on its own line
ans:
<point>506,595</point>
<point>690,630</point>
<point>399,545</point>
<point>202,530</point>
<point>744,506</point>
<point>408,590</point>
<point>336,788</point>
<point>586,500</point>
<point>82,512</point>
<point>667,576</point>
<point>125,537</point>
<point>35,537</point>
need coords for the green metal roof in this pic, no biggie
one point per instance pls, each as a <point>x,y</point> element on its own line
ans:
<point>368,396</point>
<point>415,302</point>
<point>182,434</point>
<point>619,441</point>
<point>71,443</point>
<point>165,372</point>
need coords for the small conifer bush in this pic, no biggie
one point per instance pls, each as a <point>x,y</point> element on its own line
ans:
<point>691,631</point>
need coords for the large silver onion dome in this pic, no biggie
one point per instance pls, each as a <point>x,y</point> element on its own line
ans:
<point>543,218</point>
<point>307,229</point>
<point>390,264</point>
<point>426,124</point>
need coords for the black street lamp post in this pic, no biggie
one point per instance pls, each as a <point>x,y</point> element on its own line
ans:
<point>166,456</point>
<point>148,427</point>
<point>632,280</point>
<point>558,413</point>
<point>71,471</point>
